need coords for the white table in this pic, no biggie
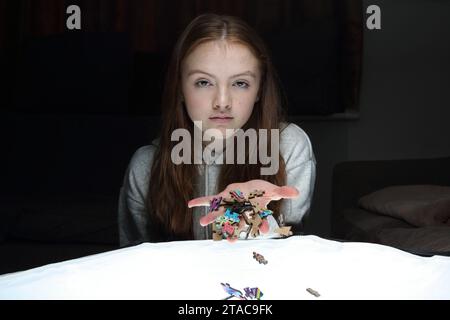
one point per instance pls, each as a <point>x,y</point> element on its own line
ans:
<point>195,269</point>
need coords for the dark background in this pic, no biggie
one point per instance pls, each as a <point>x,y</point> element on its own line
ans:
<point>116,63</point>
<point>77,104</point>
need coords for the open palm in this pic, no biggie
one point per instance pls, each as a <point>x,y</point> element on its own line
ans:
<point>271,192</point>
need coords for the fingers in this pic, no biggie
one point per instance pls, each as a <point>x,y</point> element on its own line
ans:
<point>198,202</point>
<point>288,192</point>
<point>210,217</point>
<point>284,192</point>
<point>232,240</point>
<point>264,227</point>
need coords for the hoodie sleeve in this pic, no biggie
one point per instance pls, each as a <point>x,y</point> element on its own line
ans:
<point>296,149</point>
<point>132,213</point>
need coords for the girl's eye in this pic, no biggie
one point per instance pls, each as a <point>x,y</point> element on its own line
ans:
<point>202,83</point>
<point>242,84</point>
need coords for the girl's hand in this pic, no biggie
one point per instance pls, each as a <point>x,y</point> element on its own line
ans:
<point>272,192</point>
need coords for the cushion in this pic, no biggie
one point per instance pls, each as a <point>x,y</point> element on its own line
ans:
<point>419,205</point>
<point>426,240</point>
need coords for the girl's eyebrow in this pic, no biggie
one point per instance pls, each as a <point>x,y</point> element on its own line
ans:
<point>246,73</point>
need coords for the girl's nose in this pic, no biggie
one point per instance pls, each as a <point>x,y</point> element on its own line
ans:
<point>218,107</point>
<point>223,100</point>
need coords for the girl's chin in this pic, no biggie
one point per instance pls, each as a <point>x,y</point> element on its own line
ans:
<point>219,133</point>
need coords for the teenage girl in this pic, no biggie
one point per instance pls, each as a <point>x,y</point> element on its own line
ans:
<point>220,76</point>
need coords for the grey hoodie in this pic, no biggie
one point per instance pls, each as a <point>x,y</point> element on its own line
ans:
<point>295,148</point>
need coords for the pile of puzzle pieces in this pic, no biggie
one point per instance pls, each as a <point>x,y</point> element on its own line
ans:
<point>237,207</point>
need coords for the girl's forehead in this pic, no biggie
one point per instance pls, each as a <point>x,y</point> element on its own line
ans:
<point>223,56</point>
<point>220,47</point>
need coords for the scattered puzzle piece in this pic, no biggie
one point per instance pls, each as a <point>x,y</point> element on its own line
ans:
<point>250,293</point>
<point>232,292</point>
<point>259,258</point>
<point>313,292</point>
<point>253,293</point>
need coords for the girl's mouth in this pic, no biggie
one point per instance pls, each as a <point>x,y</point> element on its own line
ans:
<point>221,119</point>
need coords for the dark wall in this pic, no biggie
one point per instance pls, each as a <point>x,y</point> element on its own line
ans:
<point>404,100</point>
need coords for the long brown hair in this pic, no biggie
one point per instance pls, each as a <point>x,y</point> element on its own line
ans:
<point>172,186</point>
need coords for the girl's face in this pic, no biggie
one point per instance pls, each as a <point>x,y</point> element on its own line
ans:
<point>220,84</point>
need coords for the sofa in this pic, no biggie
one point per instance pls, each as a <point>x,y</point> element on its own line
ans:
<point>399,203</point>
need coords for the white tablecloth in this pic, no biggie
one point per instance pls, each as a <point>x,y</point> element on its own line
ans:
<point>195,269</point>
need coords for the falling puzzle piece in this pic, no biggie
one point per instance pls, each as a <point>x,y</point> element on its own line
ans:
<point>284,231</point>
